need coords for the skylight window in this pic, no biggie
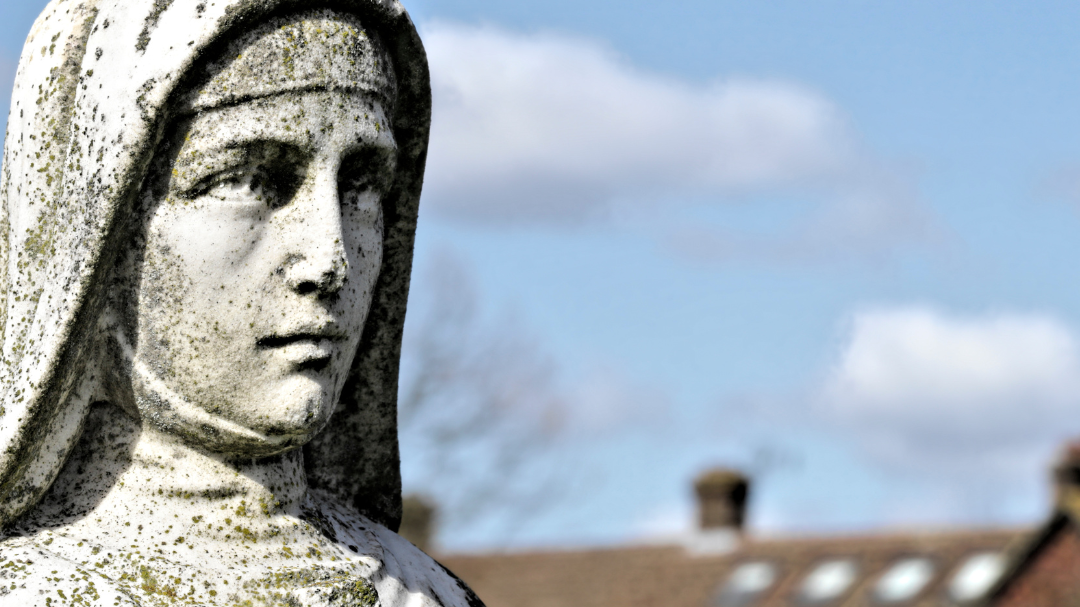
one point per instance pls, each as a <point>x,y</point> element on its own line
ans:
<point>828,581</point>
<point>904,580</point>
<point>747,583</point>
<point>976,576</point>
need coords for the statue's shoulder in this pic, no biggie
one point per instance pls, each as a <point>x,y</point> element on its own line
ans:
<point>407,573</point>
<point>420,571</point>
<point>31,575</point>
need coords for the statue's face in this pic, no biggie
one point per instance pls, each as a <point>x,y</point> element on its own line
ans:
<point>260,260</point>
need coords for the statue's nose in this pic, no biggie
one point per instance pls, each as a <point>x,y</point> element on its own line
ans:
<point>316,261</point>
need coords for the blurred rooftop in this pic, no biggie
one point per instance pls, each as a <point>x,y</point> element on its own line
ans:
<point>721,565</point>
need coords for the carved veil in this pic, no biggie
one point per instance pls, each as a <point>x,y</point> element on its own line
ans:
<point>88,110</point>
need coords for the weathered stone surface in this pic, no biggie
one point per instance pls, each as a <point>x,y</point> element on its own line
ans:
<point>207,219</point>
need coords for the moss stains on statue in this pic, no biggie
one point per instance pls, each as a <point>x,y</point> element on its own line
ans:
<point>206,246</point>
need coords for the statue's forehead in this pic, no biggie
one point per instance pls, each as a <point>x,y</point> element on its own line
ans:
<point>304,120</point>
<point>312,50</point>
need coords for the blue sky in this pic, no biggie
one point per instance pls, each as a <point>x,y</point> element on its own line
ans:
<point>841,233</point>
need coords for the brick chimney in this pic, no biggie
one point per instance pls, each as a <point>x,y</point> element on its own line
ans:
<point>1067,475</point>
<point>418,521</point>
<point>722,498</point>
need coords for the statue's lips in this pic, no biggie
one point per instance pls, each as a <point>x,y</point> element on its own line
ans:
<point>309,350</point>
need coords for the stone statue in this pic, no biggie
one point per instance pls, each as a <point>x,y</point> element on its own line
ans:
<point>208,212</point>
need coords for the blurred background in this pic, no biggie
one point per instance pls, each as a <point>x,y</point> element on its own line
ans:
<point>831,244</point>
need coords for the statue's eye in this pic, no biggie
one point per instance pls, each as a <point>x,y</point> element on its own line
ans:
<point>231,185</point>
<point>361,196</point>
<point>365,204</point>
<point>352,186</point>
<point>271,186</point>
<point>365,177</point>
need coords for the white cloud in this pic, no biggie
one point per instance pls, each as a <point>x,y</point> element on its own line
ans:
<point>988,397</point>
<point>551,128</point>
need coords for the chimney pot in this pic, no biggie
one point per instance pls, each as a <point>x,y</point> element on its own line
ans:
<point>1067,474</point>
<point>722,495</point>
<point>418,521</point>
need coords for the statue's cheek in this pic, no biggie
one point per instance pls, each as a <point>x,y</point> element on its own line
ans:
<point>210,234</point>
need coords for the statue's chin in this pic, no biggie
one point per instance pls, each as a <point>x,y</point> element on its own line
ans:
<point>168,412</point>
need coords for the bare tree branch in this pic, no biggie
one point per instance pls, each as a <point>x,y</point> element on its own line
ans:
<point>479,410</point>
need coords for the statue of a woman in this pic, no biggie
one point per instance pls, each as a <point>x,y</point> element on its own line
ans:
<point>208,211</point>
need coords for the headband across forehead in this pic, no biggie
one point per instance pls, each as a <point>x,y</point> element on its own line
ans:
<point>313,50</point>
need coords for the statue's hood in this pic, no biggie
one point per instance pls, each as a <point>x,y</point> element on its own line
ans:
<point>87,112</point>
